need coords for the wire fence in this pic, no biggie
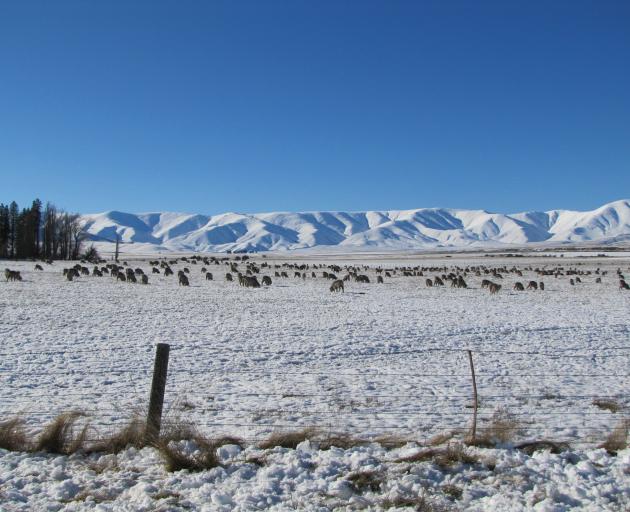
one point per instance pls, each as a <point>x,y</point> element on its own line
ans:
<point>364,393</point>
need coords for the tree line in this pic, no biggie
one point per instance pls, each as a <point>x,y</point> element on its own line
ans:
<point>43,232</point>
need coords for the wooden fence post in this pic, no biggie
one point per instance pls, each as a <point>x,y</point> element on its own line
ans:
<point>156,402</point>
<point>473,429</point>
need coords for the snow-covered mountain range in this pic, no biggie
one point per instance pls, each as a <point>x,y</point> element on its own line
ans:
<point>426,228</point>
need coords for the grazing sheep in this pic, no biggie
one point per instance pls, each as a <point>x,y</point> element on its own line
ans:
<point>266,280</point>
<point>208,276</point>
<point>533,285</point>
<point>297,274</point>
<point>362,279</point>
<point>121,277</point>
<point>183,280</point>
<point>437,281</point>
<point>519,287</point>
<point>337,286</point>
<point>228,277</point>
<point>428,283</point>
<point>571,282</point>
<point>168,271</point>
<point>541,286</point>
<point>144,279</point>
<point>284,274</point>
<point>132,278</point>
<point>155,270</point>
<point>379,279</point>
<point>461,283</point>
<point>623,285</point>
<point>38,267</point>
<point>494,288</point>
<point>598,280</point>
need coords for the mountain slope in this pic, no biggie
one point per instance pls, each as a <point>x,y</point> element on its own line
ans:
<point>405,229</point>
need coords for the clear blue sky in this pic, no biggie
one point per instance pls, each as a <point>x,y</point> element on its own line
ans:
<point>213,106</point>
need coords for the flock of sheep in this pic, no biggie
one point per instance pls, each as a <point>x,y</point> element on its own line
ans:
<point>248,271</point>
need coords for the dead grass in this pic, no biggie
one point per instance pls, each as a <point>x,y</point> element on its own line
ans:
<point>61,436</point>
<point>369,480</point>
<point>617,440</point>
<point>343,441</point>
<point>175,450</point>
<point>13,435</point>
<point>418,503</point>
<point>452,455</point>
<point>530,447</point>
<point>392,441</point>
<point>442,438</point>
<point>288,439</point>
<point>503,428</point>
<point>452,491</point>
<point>132,434</point>
<point>607,404</point>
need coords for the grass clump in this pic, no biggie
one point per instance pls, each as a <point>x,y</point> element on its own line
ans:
<point>368,480</point>
<point>288,439</point>
<point>343,441</point>
<point>418,503</point>
<point>60,435</point>
<point>452,455</point>
<point>502,429</point>
<point>13,435</point>
<point>530,447</point>
<point>132,434</point>
<point>607,404</point>
<point>617,440</point>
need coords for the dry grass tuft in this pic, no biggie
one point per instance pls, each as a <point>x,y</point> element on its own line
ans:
<point>60,435</point>
<point>618,438</point>
<point>288,439</point>
<point>417,503</point>
<point>226,440</point>
<point>369,480</point>
<point>530,447</point>
<point>13,436</point>
<point>442,438</point>
<point>392,441</point>
<point>174,447</point>
<point>343,441</point>
<point>503,428</point>
<point>607,404</point>
<point>447,457</point>
<point>176,458</point>
<point>452,491</point>
<point>132,434</point>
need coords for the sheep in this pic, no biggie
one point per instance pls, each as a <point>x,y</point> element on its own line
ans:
<point>337,286</point>
<point>266,280</point>
<point>494,288</point>
<point>519,287</point>
<point>208,276</point>
<point>183,280</point>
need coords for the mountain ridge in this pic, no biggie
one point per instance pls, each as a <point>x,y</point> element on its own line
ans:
<point>423,228</point>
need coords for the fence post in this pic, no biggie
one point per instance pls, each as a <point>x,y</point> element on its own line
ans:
<point>473,430</point>
<point>156,401</point>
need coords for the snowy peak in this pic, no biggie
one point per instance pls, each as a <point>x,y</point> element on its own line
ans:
<point>404,229</point>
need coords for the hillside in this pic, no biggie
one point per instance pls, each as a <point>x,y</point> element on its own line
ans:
<point>388,230</point>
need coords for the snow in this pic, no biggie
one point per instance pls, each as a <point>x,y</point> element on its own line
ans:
<point>375,360</point>
<point>411,229</point>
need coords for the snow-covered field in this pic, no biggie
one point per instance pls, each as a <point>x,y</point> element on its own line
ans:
<point>379,359</point>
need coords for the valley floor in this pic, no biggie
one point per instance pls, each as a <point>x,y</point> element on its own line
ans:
<point>378,360</point>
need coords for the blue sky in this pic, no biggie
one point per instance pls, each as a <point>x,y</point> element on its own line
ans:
<point>250,106</point>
